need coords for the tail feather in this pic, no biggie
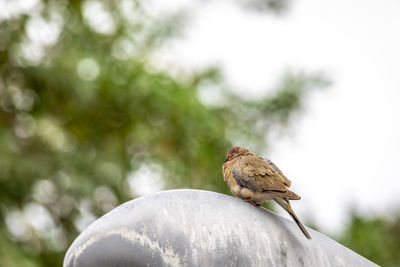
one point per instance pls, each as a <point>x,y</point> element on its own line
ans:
<point>284,203</point>
<point>292,196</point>
<point>284,194</point>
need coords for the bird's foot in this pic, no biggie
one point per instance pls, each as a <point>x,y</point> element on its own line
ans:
<point>252,202</point>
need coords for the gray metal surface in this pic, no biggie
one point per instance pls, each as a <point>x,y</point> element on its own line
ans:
<point>201,228</point>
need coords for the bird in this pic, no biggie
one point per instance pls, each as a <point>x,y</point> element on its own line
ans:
<point>258,180</point>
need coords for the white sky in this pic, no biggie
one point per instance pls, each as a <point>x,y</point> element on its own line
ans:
<point>346,148</point>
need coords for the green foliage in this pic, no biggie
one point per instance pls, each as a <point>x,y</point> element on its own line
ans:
<point>376,238</point>
<point>83,105</point>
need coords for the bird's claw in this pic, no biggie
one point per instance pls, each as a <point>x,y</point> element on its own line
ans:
<point>252,202</point>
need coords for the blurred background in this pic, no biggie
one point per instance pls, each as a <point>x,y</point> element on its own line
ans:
<point>105,101</point>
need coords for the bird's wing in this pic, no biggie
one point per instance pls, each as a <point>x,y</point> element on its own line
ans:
<point>257,175</point>
<point>286,180</point>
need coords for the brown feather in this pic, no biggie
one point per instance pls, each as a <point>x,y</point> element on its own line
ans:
<point>261,176</point>
<point>258,180</point>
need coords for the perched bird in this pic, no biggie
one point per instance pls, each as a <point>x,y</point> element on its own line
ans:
<point>258,180</point>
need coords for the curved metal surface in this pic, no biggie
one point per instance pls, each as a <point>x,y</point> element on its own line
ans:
<point>201,228</point>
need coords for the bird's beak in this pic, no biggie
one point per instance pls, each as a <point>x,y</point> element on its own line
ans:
<point>226,160</point>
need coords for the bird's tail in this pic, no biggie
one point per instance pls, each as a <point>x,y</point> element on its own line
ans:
<point>284,203</point>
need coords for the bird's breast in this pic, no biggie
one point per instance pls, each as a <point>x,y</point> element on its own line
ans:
<point>235,189</point>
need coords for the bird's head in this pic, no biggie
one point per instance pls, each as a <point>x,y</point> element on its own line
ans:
<point>237,151</point>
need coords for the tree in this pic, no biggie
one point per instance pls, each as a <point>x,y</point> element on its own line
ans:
<point>375,237</point>
<point>83,106</point>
